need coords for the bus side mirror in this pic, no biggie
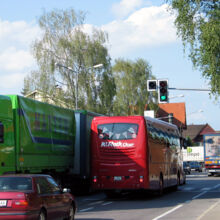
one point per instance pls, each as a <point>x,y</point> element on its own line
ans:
<point>183,143</point>
<point>1,133</point>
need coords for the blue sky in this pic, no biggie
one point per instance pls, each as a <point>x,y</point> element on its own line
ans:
<point>136,28</point>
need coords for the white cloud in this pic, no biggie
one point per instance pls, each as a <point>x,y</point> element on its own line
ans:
<point>194,118</point>
<point>147,27</point>
<point>16,60</point>
<point>17,33</point>
<point>124,7</point>
<point>12,83</point>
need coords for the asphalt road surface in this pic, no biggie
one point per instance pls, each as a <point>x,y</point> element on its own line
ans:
<point>198,199</point>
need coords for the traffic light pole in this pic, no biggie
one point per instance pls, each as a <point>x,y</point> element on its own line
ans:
<point>161,86</point>
<point>185,89</point>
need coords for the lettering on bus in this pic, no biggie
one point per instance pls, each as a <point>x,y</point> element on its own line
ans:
<point>117,144</point>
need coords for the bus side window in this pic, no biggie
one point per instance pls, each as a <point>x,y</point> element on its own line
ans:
<point>1,133</point>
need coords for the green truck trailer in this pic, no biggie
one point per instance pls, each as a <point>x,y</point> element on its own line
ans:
<point>37,137</point>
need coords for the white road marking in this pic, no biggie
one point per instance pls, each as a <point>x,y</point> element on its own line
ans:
<point>188,188</point>
<point>207,210</point>
<point>88,209</point>
<point>96,203</point>
<point>206,189</point>
<point>194,175</point>
<point>168,212</point>
<point>107,203</point>
<point>197,196</point>
<point>179,206</point>
<point>215,187</point>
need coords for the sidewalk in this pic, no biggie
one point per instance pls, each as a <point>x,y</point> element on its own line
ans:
<point>213,213</point>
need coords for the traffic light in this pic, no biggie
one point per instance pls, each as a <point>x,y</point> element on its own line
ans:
<point>163,91</point>
<point>151,85</point>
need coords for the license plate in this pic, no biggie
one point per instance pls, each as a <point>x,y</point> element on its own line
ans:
<point>3,203</point>
<point>117,178</point>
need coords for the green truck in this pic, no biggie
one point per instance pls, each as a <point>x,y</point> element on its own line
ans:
<point>37,137</point>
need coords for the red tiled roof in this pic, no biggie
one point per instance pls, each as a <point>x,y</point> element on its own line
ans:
<point>177,109</point>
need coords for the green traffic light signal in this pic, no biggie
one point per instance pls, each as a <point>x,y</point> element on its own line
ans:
<point>163,98</point>
<point>163,91</point>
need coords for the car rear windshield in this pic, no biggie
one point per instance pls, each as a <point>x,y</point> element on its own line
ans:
<point>15,183</point>
<point>118,131</point>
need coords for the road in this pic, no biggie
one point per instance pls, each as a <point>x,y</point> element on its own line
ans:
<point>199,199</point>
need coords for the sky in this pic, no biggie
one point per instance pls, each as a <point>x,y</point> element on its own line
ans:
<point>136,29</point>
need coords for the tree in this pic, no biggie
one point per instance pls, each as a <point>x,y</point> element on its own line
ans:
<point>65,55</point>
<point>198,24</point>
<point>131,86</point>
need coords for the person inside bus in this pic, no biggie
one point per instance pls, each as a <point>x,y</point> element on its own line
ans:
<point>104,133</point>
<point>131,133</point>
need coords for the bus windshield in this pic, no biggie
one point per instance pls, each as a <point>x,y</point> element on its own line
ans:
<point>118,131</point>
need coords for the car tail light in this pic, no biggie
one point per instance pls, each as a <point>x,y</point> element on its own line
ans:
<point>141,179</point>
<point>94,179</point>
<point>19,203</point>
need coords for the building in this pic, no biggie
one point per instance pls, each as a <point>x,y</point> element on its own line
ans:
<point>53,100</point>
<point>195,133</point>
<point>172,112</point>
<point>176,110</point>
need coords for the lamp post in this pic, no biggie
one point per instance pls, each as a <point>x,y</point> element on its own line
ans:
<point>176,96</point>
<point>76,79</point>
<point>198,111</point>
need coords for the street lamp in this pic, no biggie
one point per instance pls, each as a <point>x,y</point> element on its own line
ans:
<point>198,111</point>
<point>76,86</point>
<point>98,65</point>
<point>177,96</point>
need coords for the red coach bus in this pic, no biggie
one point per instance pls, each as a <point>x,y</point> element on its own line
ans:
<point>135,153</point>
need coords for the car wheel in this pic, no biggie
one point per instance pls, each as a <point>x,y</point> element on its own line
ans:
<point>42,215</point>
<point>71,213</point>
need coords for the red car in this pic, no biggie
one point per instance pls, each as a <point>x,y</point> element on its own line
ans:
<point>36,197</point>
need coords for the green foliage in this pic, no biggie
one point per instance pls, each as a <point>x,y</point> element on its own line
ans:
<point>198,24</point>
<point>64,42</point>
<point>190,142</point>
<point>131,86</point>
